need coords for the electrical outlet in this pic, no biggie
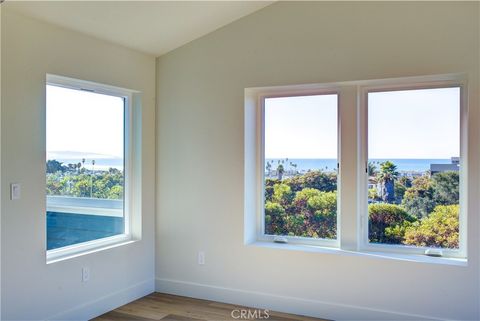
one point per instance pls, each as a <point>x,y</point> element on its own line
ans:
<point>201,258</point>
<point>85,274</point>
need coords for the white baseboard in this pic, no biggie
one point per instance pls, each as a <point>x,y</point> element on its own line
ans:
<point>280,303</point>
<point>92,309</point>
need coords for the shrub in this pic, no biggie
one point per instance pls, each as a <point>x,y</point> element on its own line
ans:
<point>372,194</point>
<point>397,233</point>
<point>319,180</point>
<point>324,204</point>
<point>382,216</point>
<point>282,194</point>
<point>269,193</point>
<point>317,211</point>
<point>274,218</point>
<point>439,229</point>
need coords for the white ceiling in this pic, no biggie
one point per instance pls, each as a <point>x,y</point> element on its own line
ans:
<point>154,27</point>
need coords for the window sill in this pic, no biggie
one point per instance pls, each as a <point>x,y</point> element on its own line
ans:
<point>73,251</point>
<point>375,255</point>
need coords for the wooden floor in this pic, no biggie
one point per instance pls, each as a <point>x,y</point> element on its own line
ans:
<point>158,306</point>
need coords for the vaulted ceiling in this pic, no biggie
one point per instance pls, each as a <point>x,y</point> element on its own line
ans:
<point>153,27</point>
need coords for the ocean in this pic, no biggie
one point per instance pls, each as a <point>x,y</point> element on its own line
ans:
<point>100,163</point>
<point>403,165</point>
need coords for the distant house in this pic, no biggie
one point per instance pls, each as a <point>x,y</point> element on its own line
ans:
<point>453,166</point>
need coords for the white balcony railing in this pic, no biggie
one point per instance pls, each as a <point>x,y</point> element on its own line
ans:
<point>85,205</point>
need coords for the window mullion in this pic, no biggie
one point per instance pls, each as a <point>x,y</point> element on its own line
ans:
<point>347,220</point>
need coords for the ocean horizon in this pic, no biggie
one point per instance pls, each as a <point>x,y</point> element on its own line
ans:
<point>403,164</point>
<point>100,163</point>
<point>303,164</point>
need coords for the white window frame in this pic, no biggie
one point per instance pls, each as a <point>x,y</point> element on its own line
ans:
<point>292,92</point>
<point>413,83</point>
<point>352,205</point>
<point>132,139</point>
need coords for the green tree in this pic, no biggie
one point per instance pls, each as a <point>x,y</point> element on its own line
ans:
<point>405,181</point>
<point>445,187</point>
<point>400,190</point>
<point>116,192</point>
<point>439,229</point>
<point>322,181</point>
<point>418,199</point>
<point>82,188</point>
<point>70,182</point>
<point>54,166</point>
<point>55,184</point>
<point>382,216</point>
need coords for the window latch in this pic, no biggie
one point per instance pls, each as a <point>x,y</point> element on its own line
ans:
<point>280,239</point>
<point>434,252</point>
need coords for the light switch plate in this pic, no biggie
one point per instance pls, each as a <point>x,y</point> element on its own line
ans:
<point>15,191</point>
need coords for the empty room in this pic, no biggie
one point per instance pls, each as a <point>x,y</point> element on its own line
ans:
<point>239,160</point>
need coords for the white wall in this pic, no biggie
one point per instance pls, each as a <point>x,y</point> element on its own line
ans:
<point>0,157</point>
<point>31,289</point>
<point>200,170</point>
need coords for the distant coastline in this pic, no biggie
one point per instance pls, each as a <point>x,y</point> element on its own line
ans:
<point>100,163</point>
<point>403,165</point>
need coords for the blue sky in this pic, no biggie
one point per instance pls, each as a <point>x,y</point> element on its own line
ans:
<point>402,124</point>
<point>301,127</point>
<point>414,124</point>
<point>84,123</point>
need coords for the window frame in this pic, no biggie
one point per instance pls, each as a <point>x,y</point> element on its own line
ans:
<point>352,210</point>
<point>130,140</point>
<point>293,92</point>
<point>404,84</point>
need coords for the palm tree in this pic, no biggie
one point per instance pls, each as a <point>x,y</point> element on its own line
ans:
<point>91,178</point>
<point>268,167</point>
<point>280,171</point>
<point>371,168</point>
<point>386,177</point>
<point>295,168</point>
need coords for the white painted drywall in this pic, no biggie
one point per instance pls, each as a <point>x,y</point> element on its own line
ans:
<point>140,25</point>
<point>0,158</point>
<point>31,289</point>
<point>200,156</point>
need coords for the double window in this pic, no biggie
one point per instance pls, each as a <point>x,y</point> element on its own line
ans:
<point>368,166</point>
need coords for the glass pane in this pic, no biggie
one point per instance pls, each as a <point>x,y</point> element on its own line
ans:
<point>85,166</point>
<point>301,166</point>
<point>413,167</point>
